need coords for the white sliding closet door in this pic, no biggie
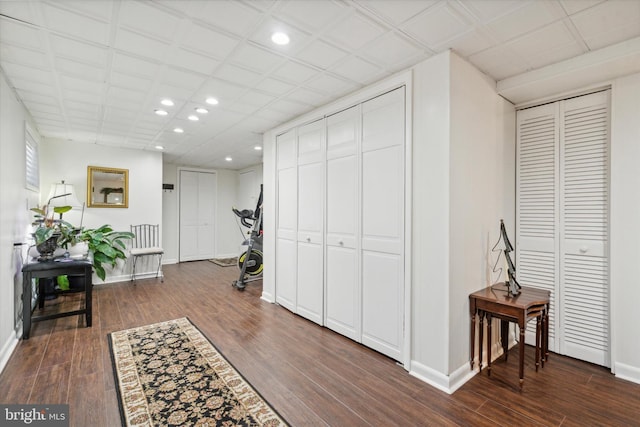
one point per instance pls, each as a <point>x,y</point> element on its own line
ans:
<point>286,231</point>
<point>562,241</point>
<point>197,215</point>
<point>342,312</point>
<point>310,277</point>
<point>382,251</point>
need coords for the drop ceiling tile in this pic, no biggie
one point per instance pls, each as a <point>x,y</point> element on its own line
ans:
<point>275,86</point>
<point>86,52</point>
<point>122,97</point>
<point>237,75</point>
<point>397,11</point>
<point>130,82</point>
<point>81,96</point>
<point>40,99</point>
<point>256,99</point>
<point>295,73</point>
<point>489,10</point>
<point>545,39</point>
<point>321,54</point>
<point>79,69</point>
<point>355,31</point>
<point>309,97</point>
<point>20,34</point>
<point>469,43</point>
<point>183,58</point>
<point>437,24</point>
<point>392,49</point>
<point>357,70</point>
<point>557,54</point>
<point>21,10</point>
<point>135,66</point>
<point>575,6</point>
<point>209,42</point>
<point>311,14</point>
<point>23,56</point>
<point>37,108</point>
<point>81,85</point>
<point>24,87</point>
<point>98,9</point>
<point>499,62</point>
<point>175,93</point>
<point>534,15</point>
<point>224,92</point>
<point>74,24</point>
<point>75,114</point>
<point>331,86</point>
<point>30,74</point>
<point>239,18</point>
<point>141,45</point>
<point>256,58</point>
<point>181,78</point>
<point>609,22</point>
<point>145,18</point>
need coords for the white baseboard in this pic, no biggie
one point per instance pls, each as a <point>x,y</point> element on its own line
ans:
<point>7,349</point>
<point>627,372</point>
<point>446,383</point>
<point>169,261</point>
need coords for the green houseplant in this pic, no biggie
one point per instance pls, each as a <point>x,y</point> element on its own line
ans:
<point>106,245</point>
<point>49,230</point>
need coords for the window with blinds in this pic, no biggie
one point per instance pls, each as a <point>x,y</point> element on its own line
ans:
<point>32,162</point>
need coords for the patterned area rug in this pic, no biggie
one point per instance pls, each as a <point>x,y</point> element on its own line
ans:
<point>169,373</point>
<point>225,262</point>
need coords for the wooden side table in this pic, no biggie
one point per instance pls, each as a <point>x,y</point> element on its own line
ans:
<point>53,269</point>
<point>495,301</point>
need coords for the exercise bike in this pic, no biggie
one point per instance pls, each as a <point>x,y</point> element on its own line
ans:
<point>250,261</point>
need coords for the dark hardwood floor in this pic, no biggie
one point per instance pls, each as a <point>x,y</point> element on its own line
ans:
<point>310,375</point>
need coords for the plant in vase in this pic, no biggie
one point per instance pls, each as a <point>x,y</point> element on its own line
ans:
<point>49,230</point>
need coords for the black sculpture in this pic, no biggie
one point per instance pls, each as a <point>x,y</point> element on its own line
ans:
<point>513,287</point>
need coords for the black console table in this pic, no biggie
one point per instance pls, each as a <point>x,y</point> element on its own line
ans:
<point>53,269</point>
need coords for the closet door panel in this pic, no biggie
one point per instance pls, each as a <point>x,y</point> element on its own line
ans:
<point>537,244</point>
<point>342,285</point>
<point>286,270</point>
<point>343,292</point>
<point>584,224</point>
<point>309,302</point>
<point>286,226</point>
<point>382,302</point>
<point>382,223</point>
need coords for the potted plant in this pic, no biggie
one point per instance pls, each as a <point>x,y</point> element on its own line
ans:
<point>49,230</point>
<point>106,245</point>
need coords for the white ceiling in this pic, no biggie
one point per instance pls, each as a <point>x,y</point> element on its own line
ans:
<point>94,71</point>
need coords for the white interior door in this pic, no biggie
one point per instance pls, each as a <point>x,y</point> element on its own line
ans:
<point>382,252</point>
<point>197,215</point>
<point>562,228</point>
<point>342,285</point>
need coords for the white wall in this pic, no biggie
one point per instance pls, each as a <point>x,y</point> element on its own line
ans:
<point>15,218</point>
<point>464,172</point>
<point>625,226</point>
<point>68,161</point>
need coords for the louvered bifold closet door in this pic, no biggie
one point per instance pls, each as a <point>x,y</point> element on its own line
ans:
<point>537,212</point>
<point>562,219</point>
<point>584,312</point>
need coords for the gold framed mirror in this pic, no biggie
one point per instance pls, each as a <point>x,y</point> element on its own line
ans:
<point>107,187</point>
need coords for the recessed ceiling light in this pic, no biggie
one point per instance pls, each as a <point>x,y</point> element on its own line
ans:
<point>280,38</point>
<point>228,159</point>
<point>161,112</point>
<point>201,110</point>
<point>193,118</point>
<point>178,130</point>
<point>159,147</point>
<point>212,101</point>
<point>167,102</point>
<point>257,148</point>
